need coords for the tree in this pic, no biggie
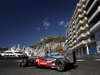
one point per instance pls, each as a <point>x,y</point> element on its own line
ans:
<point>59,48</point>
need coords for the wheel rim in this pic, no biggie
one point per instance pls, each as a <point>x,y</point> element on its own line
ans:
<point>24,63</point>
<point>60,67</point>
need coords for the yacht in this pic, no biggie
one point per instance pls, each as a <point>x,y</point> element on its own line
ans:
<point>13,52</point>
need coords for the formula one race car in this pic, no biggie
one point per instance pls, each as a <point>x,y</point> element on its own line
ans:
<point>48,61</point>
<point>54,61</point>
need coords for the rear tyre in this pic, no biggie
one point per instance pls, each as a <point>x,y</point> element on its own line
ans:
<point>23,63</point>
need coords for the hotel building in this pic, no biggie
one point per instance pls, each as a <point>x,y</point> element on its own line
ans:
<point>83,31</point>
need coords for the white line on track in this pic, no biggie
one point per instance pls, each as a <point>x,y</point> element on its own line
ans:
<point>80,60</point>
<point>97,59</point>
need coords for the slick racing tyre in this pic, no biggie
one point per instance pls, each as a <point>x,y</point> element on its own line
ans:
<point>23,63</point>
<point>60,65</point>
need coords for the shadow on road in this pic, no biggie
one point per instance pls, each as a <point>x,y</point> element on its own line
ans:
<point>68,68</point>
<point>71,67</point>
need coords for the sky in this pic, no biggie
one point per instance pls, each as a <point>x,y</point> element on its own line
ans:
<point>27,21</point>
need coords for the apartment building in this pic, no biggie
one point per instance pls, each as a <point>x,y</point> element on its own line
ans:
<point>83,32</point>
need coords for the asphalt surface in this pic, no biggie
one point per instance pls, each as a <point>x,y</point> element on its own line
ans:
<point>10,67</point>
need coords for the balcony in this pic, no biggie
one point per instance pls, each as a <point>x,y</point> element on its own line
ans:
<point>85,19</point>
<point>78,6</point>
<point>79,44</point>
<point>82,23</point>
<point>74,36</point>
<point>79,10</point>
<point>83,1</point>
<point>92,5</point>
<point>84,6</point>
<point>75,41</point>
<point>70,40</point>
<point>74,26</point>
<point>82,29</point>
<point>88,4</point>
<point>83,35</point>
<point>80,16</point>
<point>94,15</point>
<point>70,44</point>
<point>74,32</point>
<point>93,8</point>
<point>87,25</point>
<point>95,27</point>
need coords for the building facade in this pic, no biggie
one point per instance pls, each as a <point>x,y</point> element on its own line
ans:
<point>83,32</point>
<point>50,44</point>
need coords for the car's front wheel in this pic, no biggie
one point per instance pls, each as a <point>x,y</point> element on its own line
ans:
<point>60,65</point>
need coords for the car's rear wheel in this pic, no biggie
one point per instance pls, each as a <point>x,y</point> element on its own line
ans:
<point>23,63</point>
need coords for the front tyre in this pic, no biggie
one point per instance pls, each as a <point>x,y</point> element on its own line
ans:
<point>60,65</point>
